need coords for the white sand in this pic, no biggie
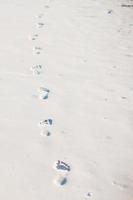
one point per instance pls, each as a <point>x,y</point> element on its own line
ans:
<point>85,48</point>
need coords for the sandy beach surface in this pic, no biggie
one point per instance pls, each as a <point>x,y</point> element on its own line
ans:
<point>66,99</point>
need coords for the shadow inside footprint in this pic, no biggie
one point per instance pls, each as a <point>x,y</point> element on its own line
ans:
<point>44,96</point>
<point>40,15</point>
<point>46,6</point>
<point>88,195</point>
<point>36,69</point>
<point>60,180</point>
<point>60,165</point>
<point>34,37</point>
<point>110,11</point>
<point>46,122</point>
<point>40,25</point>
<point>44,93</point>
<point>45,133</point>
<point>50,121</point>
<point>37,50</point>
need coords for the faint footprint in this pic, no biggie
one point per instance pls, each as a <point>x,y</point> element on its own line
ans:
<point>40,15</point>
<point>46,6</point>
<point>36,69</point>
<point>39,24</point>
<point>33,37</point>
<point>120,185</point>
<point>37,50</point>
<point>124,97</point>
<point>45,133</point>
<point>43,93</point>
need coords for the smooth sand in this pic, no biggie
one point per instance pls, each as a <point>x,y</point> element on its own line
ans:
<point>85,50</point>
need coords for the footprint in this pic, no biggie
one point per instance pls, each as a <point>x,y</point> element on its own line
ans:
<point>37,50</point>
<point>44,126</point>
<point>46,6</point>
<point>39,24</point>
<point>60,180</point>
<point>124,97</point>
<point>40,15</point>
<point>45,123</point>
<point>126,5</point>
<point>36,69</point>
<point>61,166</point>
<point>45,133</point>
<point>33,37</point>
<point>43,93</point>
<point>122,186</point>
<point>110,11</point>
<point>88,195</point>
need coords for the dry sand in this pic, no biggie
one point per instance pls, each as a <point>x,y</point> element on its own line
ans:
<point>66,73</point>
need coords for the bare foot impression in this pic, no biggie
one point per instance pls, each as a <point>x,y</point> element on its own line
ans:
<point>46,6</point>
<point>61,166</point>
<point>40,15</point>
<point>110,11</point>
<point>37,50</point>
<point>63,170</point>
<point>40,25</point>
<point>45,123</point>
<point>88,195</point>
<point>122,186</point>
<point>43,93</point>
<point>60,180</point>
<point>45,133</point>
<point>36,69</point>
<point>33,37</point>
<point>44,126</point>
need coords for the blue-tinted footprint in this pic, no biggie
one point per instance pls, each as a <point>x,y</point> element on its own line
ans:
<point>45,123</point>
<point>45,126</point>
<point>43,93</point>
